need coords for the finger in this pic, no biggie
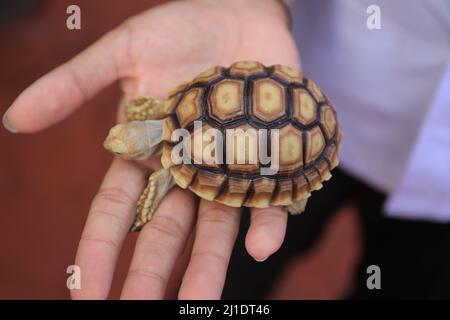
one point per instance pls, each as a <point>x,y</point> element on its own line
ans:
<point>55,95</point>
<point>216,232</point>
<point>266,232</point>
<point>179,269</point>
<point>109,220</point>
<point>159,245</point>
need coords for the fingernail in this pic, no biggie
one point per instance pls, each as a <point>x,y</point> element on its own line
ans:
<point>261,260</point>
<point>7,124</point>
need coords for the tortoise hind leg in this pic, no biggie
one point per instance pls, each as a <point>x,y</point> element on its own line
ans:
<point>159,183</point>
<point>145,108</point>
<point>297,206</point>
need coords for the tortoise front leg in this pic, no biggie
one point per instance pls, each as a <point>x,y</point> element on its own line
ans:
<point>145,108</point>
<point>159,183</point>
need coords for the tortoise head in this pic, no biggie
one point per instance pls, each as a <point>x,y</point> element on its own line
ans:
<point>133,140</point>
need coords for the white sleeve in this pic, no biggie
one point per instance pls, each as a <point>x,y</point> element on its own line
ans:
<point>424,191</point>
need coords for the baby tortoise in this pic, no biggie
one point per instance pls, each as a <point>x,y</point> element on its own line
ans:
<point>247,95</point>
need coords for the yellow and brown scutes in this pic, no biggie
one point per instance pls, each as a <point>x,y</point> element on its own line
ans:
<point>226,100</point>
<point>246,68</point>
<point>268,100</point>
<point>315,143</point>
<point>323,168</point>
<point>339,136</point>
<point>314,179</point>
<point>283,193</point>
<point>183,174</point>
<point>331,154</point>
<point>245,96</point>
<point>315,91</point>
<point>207,185</point>
<point>304,107</point>
<point>209,75</point>
<point>287,74</point>
<point>301,189</point>
<point>290,149</point>
<point>241,150</point>
<point>168,127</point>
<point>179,88</point>
<point>205,147</point>
<point>261,193</point>
<point>171,103</point>
<point>328,120</point>
<point>189,108</point>
<point>234,192</point>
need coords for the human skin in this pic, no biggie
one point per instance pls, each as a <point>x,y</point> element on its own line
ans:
<point>149,54</point>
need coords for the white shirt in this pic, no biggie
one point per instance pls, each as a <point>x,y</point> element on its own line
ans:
<point>391,90</point>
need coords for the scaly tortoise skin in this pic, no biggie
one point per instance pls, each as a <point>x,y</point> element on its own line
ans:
<point>250,95</point>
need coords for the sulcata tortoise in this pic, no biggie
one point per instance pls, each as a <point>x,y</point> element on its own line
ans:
<point>288,116</point>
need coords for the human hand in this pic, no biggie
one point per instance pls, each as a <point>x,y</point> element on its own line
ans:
<point>150,53</point>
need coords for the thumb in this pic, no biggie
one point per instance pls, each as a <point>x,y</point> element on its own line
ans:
<point>57,94</point>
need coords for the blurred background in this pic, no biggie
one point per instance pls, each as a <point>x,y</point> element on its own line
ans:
<point>47,180</point>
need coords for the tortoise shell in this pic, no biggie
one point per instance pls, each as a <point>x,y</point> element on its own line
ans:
<point>250,95</point>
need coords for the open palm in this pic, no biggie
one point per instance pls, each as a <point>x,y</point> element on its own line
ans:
<point>151,53</point>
